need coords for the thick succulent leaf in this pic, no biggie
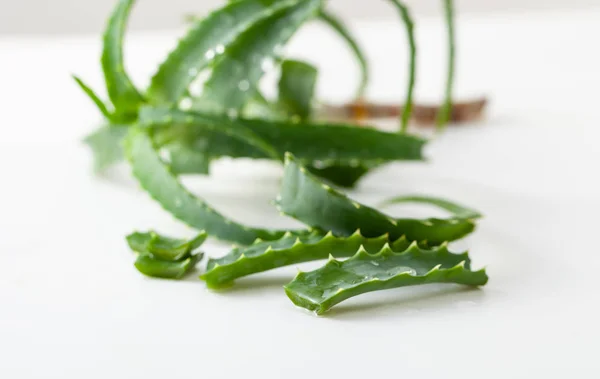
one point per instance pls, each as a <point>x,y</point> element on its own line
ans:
<point>205,41</point>
<point>186,160</point>
<point>156,117</point>
<point>148,265</point>
<point>317,205</point>
<point>237,72</point>
<point>456,209</point>
<point>297,88</point>
<point>95,98</point>
<point>328,144</point>
<point>342,176</point>
<point>106,145</point>
<point>339,27</point>
<point>446,111</point>
<point>162,247</point>
<point>156,178</point>
<point>290,250</point>
<point>409,24</point>
<point>121,91</point>
<point>337,281</point>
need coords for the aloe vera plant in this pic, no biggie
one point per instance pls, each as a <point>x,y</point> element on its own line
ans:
<point>337,281</point>
<point>204,103</point>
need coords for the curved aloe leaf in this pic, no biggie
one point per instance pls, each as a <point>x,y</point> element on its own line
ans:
<point>156,268</point>
<point>297,87</point>
<point>153,117</point>
<point>185,160</point>
<point>446,110</point>
<point>342,176</point>
<point>290,250</point>
<point>156,178</point>
<point>345,33</point>
<point>327,143</point>
<point>409,24</point>
<point>321,289</point>
<point>95,98</point>
<point>121,91</point>
<point>317,205</point>
<point>237,72</point>
<point>106,145</point>
<point>456,209</point>
<point>164,248</point>
<point>203,43</point>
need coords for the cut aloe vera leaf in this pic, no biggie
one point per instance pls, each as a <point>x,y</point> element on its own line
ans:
<point>328,144</point>
<point>237,71</point>
<point>263,256</point>
<point>156,178</point>
<point>456,209</point>
<point>297,88</point>
<point>317,205</point>
<point>204,42</point>
<point>121,91</point>
<point>337,281</point>
<point>162,247</point>
<point>148,265</point>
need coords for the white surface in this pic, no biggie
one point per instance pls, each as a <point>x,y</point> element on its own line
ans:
<point>72,305</point>
<point>76,16</point>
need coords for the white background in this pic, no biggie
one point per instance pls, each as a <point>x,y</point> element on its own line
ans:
<point>72,306</point>
<point>68,16</point>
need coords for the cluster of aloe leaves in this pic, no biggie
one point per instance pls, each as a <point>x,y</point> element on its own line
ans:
<point>204,103</point>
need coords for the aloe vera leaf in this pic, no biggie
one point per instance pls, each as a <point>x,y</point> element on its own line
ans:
<point>199,47</point>
<point>297,88</point>
<point>290,250</point>
<point>121,91</point>
<point>342,176</point>
<point>148,265</point>
<point>317,205</point>
<point>344,32</point>
<point>164,248</point>
<point>106,145</point>
<point>237,72</point>
<point>156,178</point>
<point>153,117</point>
<point>456,209</point>
<point>409,24</point>
<point>446,109</point>
<point>327,143</point>
<point>95,98</point>
<point>337,281</point>
<point>186,160</point>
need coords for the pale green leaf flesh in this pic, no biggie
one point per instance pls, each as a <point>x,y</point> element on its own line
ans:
<point>337,281</point>
<point>163,247</point>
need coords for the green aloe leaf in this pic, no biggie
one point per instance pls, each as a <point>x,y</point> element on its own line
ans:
<point>157,179</point>
<point>106,145</point>
<point>263,256</point>
<point>456,209</point>
<point>297,87</point>
<point>95,98</point>
<point>121,91</point>
<point>317,205</point>
<point>148,265</point>
<point>186,160</point>
<point>342,176</point>
<point>236,73</point>
<point>409,25</point>
<point>337,281</point>
<point>339,27</point>
<point>446,111</point>
<point>328,144</point>
<point>164,248</point>
<point>203,43</point>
